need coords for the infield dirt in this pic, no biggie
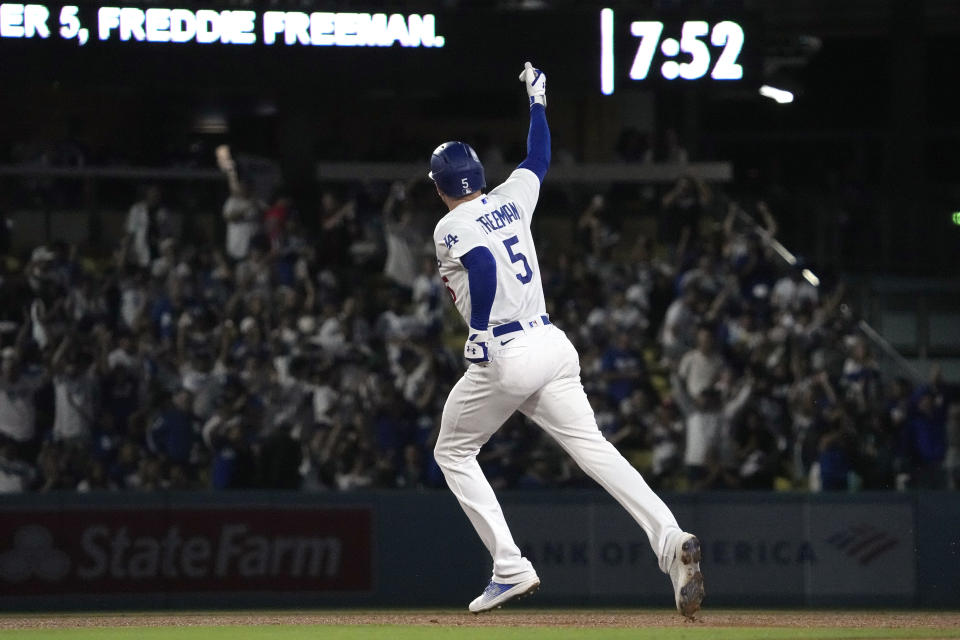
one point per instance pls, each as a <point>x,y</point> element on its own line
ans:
<point>514,618</point>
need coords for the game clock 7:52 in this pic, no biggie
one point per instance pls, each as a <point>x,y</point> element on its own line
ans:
<point>702,51</point>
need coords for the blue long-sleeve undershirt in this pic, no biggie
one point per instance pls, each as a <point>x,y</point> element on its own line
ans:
<point>482,279</point>
<point>538,142</point>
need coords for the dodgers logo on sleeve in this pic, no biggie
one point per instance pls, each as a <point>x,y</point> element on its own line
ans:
<point>450,240</point>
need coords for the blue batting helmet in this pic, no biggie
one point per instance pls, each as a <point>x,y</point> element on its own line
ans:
<point>456,169</point>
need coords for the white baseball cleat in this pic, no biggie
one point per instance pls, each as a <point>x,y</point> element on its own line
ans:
<point>685,575</point>
<point>498,594</point>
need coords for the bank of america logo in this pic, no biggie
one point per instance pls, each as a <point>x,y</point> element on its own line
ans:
<point>862,542</point>
<point>33,555</point>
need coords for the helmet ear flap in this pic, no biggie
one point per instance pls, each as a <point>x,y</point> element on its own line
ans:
<point>456,169</point>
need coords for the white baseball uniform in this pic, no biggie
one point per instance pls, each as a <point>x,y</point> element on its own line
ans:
<point>533,368</point>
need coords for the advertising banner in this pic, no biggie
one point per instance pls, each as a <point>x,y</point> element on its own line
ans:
<point>863,549</point>
<point>393,549</point>
<point>778,551</point>
<point>126,550</point>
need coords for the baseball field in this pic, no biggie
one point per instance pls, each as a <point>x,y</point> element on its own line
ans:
<point>526,624</point>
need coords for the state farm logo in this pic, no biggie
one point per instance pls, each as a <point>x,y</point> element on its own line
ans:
<point>863,542</point>
<point>33,555</point>
<point>236,551</point>
<point>114,553</point>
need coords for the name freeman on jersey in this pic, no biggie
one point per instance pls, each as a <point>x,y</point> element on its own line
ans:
<point>499,218</point>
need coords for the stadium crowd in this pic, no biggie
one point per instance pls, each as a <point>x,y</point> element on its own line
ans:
<point>314,352</point>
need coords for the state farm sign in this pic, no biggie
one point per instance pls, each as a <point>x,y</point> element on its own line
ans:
<point>157,550</point>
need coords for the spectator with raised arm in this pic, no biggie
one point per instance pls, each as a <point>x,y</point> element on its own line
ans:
<point>19,384</point>
<point>241,210</point>
<point>708,420</point>
<point>75,382</point>
<point>700,368</point>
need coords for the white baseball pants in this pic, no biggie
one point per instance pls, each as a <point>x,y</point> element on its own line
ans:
<point>538,373</point>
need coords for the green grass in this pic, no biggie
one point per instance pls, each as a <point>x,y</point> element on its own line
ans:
<point>395,632</point>
<point>457,625</point>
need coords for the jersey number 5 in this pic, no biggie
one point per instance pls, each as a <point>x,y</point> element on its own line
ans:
<point>527,276</point>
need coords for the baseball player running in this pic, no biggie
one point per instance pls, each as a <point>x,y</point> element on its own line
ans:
<point>520,361</point>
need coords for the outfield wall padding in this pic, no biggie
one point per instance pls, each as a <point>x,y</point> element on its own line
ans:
<point>383,549</point>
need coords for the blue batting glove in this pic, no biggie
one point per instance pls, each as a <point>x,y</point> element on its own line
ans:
<point>475,350</point>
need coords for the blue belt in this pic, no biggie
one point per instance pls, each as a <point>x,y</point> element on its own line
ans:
<point>510,327</point>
